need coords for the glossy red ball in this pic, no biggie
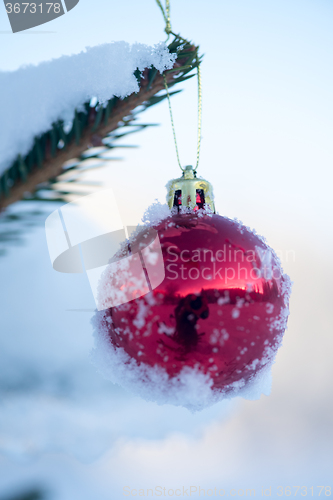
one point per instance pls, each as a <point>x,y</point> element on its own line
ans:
<point>221,307</point>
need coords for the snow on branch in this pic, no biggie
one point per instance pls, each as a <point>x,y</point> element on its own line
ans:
<point>34,97</point>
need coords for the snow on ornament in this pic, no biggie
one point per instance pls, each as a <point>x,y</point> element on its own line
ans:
<point>208,330</point>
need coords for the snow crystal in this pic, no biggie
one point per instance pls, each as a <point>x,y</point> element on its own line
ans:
<point>269,308</point>
<point>111,293</point>
<point>266,262</point>
<point>281,322</point>
<point>156,213</point>
<point>33,97</point>
<point>286,287</point>
<point>140,319</point>
<point>224,300</point>
<point>235,313</point>
<point>168,330</point>
<point>206,210</point>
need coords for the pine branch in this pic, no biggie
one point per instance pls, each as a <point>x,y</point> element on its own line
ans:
<point>56,146</point>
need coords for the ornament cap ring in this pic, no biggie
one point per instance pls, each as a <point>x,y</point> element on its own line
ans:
<point>190,191</point>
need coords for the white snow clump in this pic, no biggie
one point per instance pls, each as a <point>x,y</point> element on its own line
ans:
<point>33,97</point>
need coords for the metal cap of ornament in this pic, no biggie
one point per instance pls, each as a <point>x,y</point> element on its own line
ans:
<point>190,191</point>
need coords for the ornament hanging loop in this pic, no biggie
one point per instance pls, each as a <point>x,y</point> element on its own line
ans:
<point>168,30</point>
<point>199,117</point>
<point>172,122</point>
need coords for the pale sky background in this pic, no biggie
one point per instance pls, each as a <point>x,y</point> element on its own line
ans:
<point>267,150</point>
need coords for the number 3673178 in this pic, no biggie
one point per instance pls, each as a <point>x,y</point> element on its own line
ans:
<point>32,8</point>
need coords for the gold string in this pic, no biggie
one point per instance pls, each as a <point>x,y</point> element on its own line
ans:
<point>166,15</point>
<point>172,122</point>
<point>168,22</point>
<point>168,30</point>
<point>199,114</point>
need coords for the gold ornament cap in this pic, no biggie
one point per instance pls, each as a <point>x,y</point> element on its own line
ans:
<point>190,191</point>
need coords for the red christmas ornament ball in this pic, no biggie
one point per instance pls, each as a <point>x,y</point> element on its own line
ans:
<point>221,308</point>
